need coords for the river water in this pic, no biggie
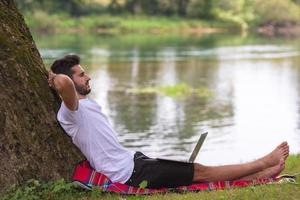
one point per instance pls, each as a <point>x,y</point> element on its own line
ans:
<point>251,83</point>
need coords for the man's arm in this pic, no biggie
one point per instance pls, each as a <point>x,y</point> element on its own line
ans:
<point>65,88</point>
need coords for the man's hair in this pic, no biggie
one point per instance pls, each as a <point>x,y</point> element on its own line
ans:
<point>64,65</point>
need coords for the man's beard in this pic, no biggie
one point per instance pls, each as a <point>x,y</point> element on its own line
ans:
<point>82,89</point>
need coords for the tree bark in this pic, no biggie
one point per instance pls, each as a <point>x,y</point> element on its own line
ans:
<point>32,144</point>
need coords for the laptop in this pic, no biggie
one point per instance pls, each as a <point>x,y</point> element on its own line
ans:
<point>194,153</point>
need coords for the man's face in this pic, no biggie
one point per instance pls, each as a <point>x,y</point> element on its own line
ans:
<point>81,80</point>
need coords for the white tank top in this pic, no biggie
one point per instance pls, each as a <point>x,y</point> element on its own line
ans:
<point>94,136</point>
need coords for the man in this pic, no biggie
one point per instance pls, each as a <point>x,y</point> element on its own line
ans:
<point>84,122</point>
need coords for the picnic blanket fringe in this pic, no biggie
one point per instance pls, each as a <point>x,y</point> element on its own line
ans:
<point>87,177</point>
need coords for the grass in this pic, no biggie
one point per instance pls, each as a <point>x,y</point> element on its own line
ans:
<point>62,190</point>
<point>40,21</point>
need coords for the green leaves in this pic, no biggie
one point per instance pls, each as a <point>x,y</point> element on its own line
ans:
<point>143,184</point>
<point>35,190</point>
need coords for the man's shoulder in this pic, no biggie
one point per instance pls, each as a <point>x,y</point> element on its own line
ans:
<point>89,102</point>
<point>66,115</point>
<point>83,104</point>
<point>64,110</point>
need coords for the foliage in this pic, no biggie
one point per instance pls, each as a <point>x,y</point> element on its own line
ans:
<point>277,12</point>
<point>143,184</point>
<point>35,189</point>
<point>200,9</point>
<point>42,22</point>
<point>71,7</point>
<point>239,12</point>
<point>236,13</point>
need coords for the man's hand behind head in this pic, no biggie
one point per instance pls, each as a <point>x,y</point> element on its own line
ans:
<point>51,77</point>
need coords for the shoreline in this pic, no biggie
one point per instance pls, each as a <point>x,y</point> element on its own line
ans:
<point>198,30</point>
<point>42,23</point>
<point>287,31</point>
<point>293,31</point>
<point>271,31</point>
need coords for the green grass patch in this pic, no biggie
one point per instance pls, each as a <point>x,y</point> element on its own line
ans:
<point>60,189</point>
<point>40,21</point>
<point>178,91</point>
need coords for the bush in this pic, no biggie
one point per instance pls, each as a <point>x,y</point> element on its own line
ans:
<point>99,22</point>
<point>276,12</point>
<point>200,9</point>
<point>41,21</point>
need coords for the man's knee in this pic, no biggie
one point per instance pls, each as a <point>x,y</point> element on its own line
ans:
<point>201,173</point>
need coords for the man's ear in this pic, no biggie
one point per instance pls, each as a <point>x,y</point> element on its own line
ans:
<point>70,75</point>
<point>71,72</point>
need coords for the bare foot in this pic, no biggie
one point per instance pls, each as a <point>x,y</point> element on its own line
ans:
<point>273,158</point>
<point>274,171</point>
<point>270,172</point>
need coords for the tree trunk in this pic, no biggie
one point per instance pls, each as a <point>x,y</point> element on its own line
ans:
<point>32,145</point>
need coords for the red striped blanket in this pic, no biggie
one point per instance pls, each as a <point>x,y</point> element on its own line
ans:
<point>87,177</point>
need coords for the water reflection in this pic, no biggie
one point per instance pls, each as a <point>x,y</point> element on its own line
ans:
<point>254,106</point>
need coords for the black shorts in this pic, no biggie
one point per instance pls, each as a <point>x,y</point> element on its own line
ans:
<point>158,173</point>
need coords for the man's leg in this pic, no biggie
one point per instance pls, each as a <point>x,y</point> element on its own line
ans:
<point>267,173</point>
<point>230,172</point>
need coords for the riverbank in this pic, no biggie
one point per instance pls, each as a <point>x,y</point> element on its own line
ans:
<point>287,30</point>
<point>43,23</point>
<point>62,190</point>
